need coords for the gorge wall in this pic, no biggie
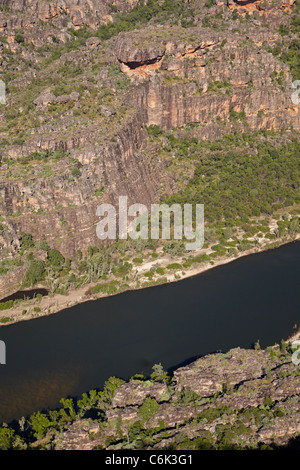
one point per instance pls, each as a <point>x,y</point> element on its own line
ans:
<point>94,103</point>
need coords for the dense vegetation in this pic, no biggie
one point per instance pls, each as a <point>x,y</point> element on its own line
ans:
<point>159,11</point>
<point>241,176</point>
<point>288,49</point>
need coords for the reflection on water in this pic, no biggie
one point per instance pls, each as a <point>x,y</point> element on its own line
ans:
<point>34,392</point>
<point>76,350</point>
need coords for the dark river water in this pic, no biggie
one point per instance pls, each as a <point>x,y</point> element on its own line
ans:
<point>73,351</point>
<point>25,294</point>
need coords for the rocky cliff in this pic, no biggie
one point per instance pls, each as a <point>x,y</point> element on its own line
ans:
<point>206,76</point>
<point>79,101</point>
<point>47,17</point>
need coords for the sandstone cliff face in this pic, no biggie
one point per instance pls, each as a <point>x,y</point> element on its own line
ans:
<point>117,167</point>
<point>43,23</point>
<point>68,13</point>
<point>94,103</point>
<point>180,79</point>
<point>244,6</point>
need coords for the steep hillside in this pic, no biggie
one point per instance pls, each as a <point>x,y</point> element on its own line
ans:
<point>86,90</point>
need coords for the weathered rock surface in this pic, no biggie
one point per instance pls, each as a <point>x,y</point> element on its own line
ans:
<point>135,392</point>
<point>78,437</point>
<point>210,374</point>
<point>184,92</point>
<point>259,406</point>
<point>94,103</point>
<point>62,12</point>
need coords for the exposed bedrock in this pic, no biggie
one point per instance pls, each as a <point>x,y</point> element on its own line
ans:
<point>179,81</point>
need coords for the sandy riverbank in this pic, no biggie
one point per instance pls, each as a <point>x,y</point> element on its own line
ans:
<point>54,303</point>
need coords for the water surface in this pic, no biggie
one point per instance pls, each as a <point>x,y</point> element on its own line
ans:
<point>25,294</point>
<point>65,354</point>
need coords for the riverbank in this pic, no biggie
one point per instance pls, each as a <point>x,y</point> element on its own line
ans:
<point>54,303</point>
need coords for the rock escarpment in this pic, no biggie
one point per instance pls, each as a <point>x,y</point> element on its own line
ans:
<point>117,168</point>
<point>88,102</point>
<point>207,76</point>
<point>62,13</point>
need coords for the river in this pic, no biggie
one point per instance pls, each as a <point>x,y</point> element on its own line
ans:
<point>65,354</point>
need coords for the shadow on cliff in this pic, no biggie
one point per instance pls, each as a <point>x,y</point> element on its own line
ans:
<point>293,444</point>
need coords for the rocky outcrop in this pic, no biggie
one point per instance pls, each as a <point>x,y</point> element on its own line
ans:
<point>210,374</point>
<point>94,103</point>
<point>244,6</point>
<point>210,78</point>
<point>134,393</point>
<point>252,395</point>
<point>12,279</point>
<point>69,13</point>
<point>79,436</point>
<point>115,165</point>
<point>47,97</point>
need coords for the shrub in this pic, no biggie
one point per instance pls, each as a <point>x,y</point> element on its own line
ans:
<point>40,423</point>
<point>148,409</point>
<point>174,266</point>
<point>6,305</point>
<point>19,37</point>
<point>149,274</point>
<point>108,288</point>
<point>154,130</point>
<point>35,272</point>
<point>160,271</point>
<point>55,257</point>
<point>27,241</point>
<point>6,438</point>
<point>5,319</point>
<point>159,375</point>
<point>75,172</point>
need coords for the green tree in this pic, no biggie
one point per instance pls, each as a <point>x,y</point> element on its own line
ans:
<point>159,375</point>
<point>76,172</point>
<point>148,409</point>
<point>88,401</point>
<point>55,257</point>
<point>69,405</point>
<point>27,241</point>
<point>40,424</point>
<point>6,438</point>
<point>110,387</point>
<point>35,272</point>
